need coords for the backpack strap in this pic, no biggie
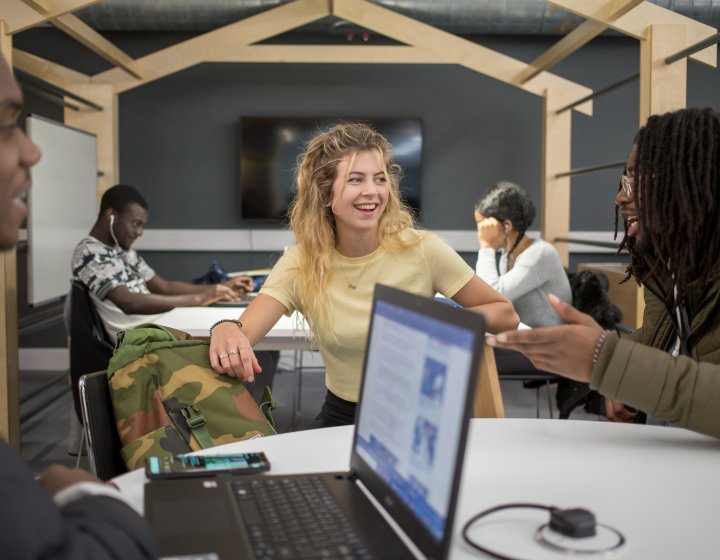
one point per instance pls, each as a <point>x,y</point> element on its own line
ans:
<point>196,423</point>
<point>268,405</point>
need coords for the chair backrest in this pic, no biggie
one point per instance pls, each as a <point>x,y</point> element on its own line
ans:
<point>103,441</point>
<point>90,345</point>
<point>590,295</point>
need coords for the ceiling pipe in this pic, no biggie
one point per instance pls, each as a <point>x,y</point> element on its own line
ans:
<point>461,17</point>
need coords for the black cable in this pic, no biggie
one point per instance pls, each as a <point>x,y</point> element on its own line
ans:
<point>487,512</point>
<point>575,523</point>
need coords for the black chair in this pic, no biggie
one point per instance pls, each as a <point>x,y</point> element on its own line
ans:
<point>103,441</point>
<point>590,295</point>
<point>90,345</point>
<point>513,366</point>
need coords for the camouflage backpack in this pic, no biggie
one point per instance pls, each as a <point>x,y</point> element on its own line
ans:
<point>168,400</point>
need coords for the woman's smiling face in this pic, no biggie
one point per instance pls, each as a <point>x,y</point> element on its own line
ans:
<point>359,193</point>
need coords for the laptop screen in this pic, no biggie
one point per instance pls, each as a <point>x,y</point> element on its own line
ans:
<point>418,370</point>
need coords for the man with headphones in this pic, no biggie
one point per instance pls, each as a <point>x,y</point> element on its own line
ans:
<point>123,287</point>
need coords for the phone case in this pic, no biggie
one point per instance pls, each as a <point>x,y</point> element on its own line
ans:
<point>162,467</point>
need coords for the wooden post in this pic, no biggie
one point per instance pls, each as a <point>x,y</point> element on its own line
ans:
<point>488,398</point>
<point>555,192</point>
<point>9,392</point>
<point>104,124</point>
<point>663,87</point>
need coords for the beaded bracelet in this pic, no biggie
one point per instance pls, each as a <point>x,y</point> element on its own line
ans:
<point>216,323</point>
<point>598,346</point>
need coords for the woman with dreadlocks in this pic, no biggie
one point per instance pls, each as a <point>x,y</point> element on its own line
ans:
<point>669,200</point>
<point>529,269</point>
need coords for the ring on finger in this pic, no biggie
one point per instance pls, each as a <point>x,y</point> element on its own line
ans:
<point>223,355</point>
<point>232,352</point>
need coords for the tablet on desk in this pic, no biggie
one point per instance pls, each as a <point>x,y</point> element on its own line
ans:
<point>244,301</point>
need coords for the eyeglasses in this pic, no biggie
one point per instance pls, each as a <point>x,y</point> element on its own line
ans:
<point>627,184</point>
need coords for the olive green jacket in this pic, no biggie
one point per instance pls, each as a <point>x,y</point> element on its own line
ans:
<point>638,371</point>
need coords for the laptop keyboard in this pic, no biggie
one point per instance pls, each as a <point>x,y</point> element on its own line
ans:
<point>296,518</point>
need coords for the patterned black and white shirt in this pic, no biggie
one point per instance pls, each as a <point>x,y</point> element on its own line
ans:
<point>102,269</point>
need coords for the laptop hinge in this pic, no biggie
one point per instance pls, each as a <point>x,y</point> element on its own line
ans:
<point>388,518</point>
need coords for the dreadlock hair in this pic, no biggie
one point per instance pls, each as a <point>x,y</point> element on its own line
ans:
<point>508,201</point>
<point>677,192</point>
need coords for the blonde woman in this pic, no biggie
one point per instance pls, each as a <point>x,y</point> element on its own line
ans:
<point>352,231</point>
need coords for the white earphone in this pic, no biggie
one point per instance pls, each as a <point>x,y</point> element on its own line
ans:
<point>112,233</point>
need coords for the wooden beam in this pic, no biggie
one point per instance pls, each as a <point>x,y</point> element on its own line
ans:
<point>452,49</point>
<point>226,39</point>
<point>86,35</point>
<point>319,54</point>
<point>6,49</point>
<point>663,87</point>
<point>51,72</point>
<point>9,386</point>
<point>24,14</point>
<point>37,5</point>
<point>578,37</point>
<point>636,22</point>
<point>555,191</point>
<point>104,125</point>
<point>83,33</point>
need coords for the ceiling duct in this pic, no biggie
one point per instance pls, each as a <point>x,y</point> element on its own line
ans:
<point>461,17</point>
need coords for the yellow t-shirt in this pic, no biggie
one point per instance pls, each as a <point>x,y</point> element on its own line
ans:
<point>426,268</point>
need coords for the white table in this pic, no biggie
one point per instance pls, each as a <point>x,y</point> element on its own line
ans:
<point>658,486</point>
<point>197,320</point>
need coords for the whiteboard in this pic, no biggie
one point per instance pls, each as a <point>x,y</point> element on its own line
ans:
<point>62,205</point>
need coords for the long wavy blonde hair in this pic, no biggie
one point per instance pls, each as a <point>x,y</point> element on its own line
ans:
<point>312,220</point>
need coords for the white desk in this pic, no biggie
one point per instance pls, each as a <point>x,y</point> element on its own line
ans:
<point>658,486</point>
<point>197,320</point>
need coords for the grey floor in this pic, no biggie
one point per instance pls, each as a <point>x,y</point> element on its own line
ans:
<point>46,407</point>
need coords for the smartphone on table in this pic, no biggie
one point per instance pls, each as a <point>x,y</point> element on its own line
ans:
<point>181,466</point>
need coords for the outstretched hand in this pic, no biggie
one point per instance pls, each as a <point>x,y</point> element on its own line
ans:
<point>565,349</point>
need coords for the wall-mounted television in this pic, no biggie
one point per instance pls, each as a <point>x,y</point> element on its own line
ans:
<point>269,148</point>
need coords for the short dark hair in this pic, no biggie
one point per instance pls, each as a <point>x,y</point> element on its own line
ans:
<point>119,197</point>
<point>508,201</point>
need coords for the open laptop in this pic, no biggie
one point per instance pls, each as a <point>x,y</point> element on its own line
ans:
<point>420,372</point>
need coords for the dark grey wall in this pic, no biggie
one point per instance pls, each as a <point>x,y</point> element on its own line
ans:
<point>178,135</point>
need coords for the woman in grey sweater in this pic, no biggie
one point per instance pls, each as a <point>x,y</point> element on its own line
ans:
<point>529,269</point>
